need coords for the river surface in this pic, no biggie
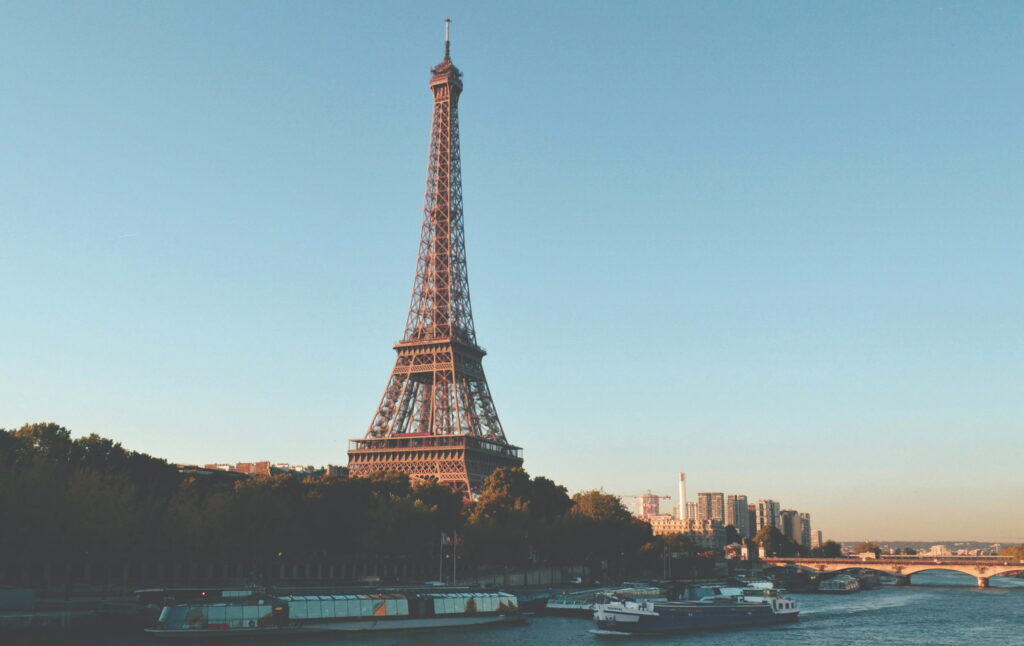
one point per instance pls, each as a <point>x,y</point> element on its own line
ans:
<point>940,608</point>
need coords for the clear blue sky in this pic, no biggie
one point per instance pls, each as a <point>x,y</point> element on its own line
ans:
<point>775,245</point>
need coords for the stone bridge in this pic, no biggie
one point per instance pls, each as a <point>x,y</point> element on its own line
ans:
<point>901,567</point>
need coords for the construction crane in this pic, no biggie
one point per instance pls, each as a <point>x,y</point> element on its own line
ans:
<point>648,503</point>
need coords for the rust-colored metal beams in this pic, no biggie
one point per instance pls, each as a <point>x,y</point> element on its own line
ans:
<point>437,387</point>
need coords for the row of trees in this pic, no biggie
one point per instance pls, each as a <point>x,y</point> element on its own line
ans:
<point>67,500</point>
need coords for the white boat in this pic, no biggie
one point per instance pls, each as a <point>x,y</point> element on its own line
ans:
<point>582,603</point>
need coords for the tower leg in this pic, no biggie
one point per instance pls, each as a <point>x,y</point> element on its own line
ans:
<point>982,581</point>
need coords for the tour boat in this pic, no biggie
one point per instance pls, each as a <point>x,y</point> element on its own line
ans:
<point>842,584</point>
<point>263,614</point>
<point>710,608</point>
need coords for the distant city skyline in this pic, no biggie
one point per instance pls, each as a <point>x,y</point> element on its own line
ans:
<point>776,247</point>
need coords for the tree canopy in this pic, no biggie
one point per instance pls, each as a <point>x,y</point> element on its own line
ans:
<point>775,543</point>
<point>90,499</point>
<point>828,550</point>
<point>517,519</point>
<point>732,535</point>
<point>867,547</point>
<point>1015,552</point>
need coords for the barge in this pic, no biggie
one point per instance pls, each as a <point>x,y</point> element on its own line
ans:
<point>708,609</point>
<point>308,614</point>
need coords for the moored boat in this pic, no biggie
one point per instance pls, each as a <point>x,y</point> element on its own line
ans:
<point>842,584</point>
<point>722,608</point>
<point>263,614</point>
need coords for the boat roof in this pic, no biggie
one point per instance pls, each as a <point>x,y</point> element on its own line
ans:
<point>337,597</point>
<point>352,597</point>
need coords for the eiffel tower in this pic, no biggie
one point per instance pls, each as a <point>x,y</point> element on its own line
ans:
<point>436,420</point>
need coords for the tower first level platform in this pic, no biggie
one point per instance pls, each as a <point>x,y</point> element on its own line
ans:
<point>462,461</point>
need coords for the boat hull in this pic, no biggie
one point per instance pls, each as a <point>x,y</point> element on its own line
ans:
<point>230,633</point>
<point>569,610</point>
<point>695,619</point>
<point>356,625</point>
<point>650,629</point>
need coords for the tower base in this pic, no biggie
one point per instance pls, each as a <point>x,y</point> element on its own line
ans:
<point>461,461</point>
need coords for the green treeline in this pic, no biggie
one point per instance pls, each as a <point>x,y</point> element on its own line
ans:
<point>66,501</point>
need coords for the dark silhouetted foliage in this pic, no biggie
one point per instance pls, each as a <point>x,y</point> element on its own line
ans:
<point>775,543</point>
<point>828,550</point>
<point>91,500</point>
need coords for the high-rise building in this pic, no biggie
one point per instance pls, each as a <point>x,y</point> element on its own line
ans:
<point>767,514</point>
<point>736,514</point>
<point>752,519</point>
<point>789,519</point>
<point>711,506</point>
<point>437,421</point>
<point>805,530</point>
<point>650,504</point>
<point>682,497</point>
<point>691,511</point>
<point>816,539</point>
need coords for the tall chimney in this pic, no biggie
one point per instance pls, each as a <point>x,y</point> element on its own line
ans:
<point>682,496</point>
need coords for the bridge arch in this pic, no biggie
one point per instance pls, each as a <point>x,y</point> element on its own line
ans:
<point>909,571</point>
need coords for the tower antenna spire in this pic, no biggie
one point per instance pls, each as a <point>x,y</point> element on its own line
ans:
<point>447,39</point>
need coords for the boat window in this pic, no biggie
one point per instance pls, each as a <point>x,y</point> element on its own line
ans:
<point>327,607</point>
<point>176,616</point>
<point>216,614</point>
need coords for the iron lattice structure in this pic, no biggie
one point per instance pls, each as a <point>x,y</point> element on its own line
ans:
<point>436,420</point>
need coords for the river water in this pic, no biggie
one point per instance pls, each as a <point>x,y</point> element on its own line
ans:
<point>941,608</point>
